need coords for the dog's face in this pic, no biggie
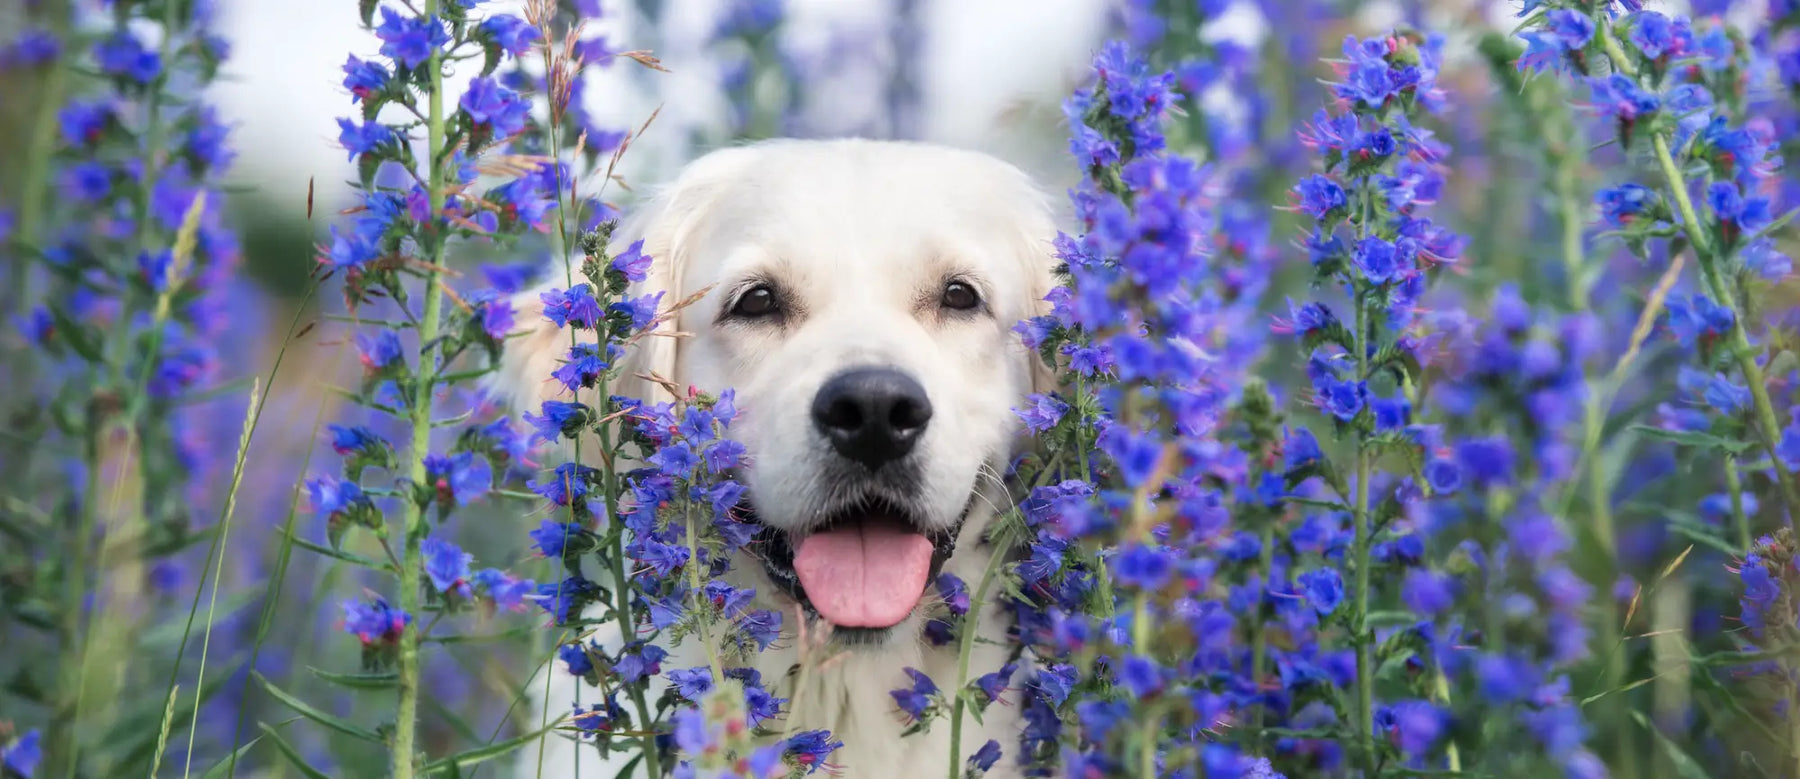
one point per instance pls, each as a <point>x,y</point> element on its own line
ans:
<point>859,297</point>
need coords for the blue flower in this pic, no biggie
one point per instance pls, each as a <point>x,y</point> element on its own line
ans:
<point>1379,260</point>
<point>954,593</point>
<point>692,683</point>
<point>506,591</point>
<point>82,123</point>
<point>1324,589</point>
<point>374,622</point>
<point>985,757</point>
<point>560,598</point>
<point>1697,319</point>
<point>1427,592</point>
<point>916,699</point>
<point>1319,197</point>
<point>364,138</point>
<point>568,483</point>
<point>575,658</point>
<point>409,40</point>
<point>86,182</point>
<point>447,566</point>
<point>583,369</point>
<point>500,109</point>
<point>1142,566</point>
<point>1299,449</point>
<point>633,262</point>
<point>459,478</point>
<point>560,419</point>
<point>575,305</point>
<point>1141,675</point>
<point>1619,96</point>
<point>335,497</point>
<point>1652,33</point>
<point>639,311</point>
<point>639,661</point>
<point>23,755</point>
<point>365,78</point>
<point>1343,399</point>
<point>1043,413</point>
<point>810,748</point>
<point>512,34</point>
<point>123,55</point>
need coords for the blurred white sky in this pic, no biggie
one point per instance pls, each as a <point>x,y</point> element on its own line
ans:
<point>981,58</point>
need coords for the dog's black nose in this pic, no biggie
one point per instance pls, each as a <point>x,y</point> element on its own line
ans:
<point>871,415</point>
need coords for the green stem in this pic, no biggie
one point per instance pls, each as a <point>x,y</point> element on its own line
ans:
<point>1259,637</point>
<point>1766,420</point>
<point>1740,520</point>
<point>407,707</point>
<point>1361,543</point>
<point>966,646</point>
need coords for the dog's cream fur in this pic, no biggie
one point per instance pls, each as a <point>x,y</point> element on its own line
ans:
<point>863,235</point>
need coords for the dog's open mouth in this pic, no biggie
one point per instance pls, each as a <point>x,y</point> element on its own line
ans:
<point>866,567</point>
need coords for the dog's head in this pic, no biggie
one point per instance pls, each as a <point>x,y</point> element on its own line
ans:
<point>859,298</point>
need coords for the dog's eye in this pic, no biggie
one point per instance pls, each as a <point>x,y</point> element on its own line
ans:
<point>758,301</point>
<point>960,296</point>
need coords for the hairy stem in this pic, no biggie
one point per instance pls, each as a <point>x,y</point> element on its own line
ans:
<point>966,646</point>
<point>407,708</point>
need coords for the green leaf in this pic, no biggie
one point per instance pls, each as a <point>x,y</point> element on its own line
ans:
<point>79,338</point>
<point>380,681</point>
<point>1691,438</point>
<point>483,754</point>
<point>222,768</point>
<point>306,710</point>
<point>287,750</point>
<point>1685,767</point>
<point>347,557</point>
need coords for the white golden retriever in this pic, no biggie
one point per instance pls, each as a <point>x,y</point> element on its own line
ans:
<point>861,301</point>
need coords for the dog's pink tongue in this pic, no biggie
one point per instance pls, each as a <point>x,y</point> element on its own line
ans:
<point>868,575</point>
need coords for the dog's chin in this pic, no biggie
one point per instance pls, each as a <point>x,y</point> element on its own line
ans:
<point>864,569</point>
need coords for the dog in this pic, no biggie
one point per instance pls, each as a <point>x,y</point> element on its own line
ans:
<point>859,297</point>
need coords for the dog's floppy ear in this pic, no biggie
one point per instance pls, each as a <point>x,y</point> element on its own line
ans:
<point>664,223</point>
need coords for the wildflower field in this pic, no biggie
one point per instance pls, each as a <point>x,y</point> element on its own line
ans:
<point>1429,399</point>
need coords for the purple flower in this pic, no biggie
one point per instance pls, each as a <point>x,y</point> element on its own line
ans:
<point>1324,589</point>
<point>23,755</point>
<point>1378,260</point>
<point>458,478</point>
<point>512,34</point>
<point>639,311</point>
<point>1697,319</point>
<point>985,757</point>
<point>1043,413</point>
<point>365,138</point>
<point>409,40</point>
<point>82,123</point>
<point>365,78</point>
<point>954,593</point>
<point>1427,592</point>
<point>502,110</point>
<point>810,748</point>
<point>633,262</point>
<point>124,56</point>
<point>507,592</point>
<point>1142,566</point>
<point>916,699</point>
<point>583,368</point>
<point>1319,197</point>
<point>692,683</point>
<point>1619,96</point>
<point>1299,449</point>
<point>447,566</point>
<point>374,622</point>
<point>1343,399</point>
<point>1652,33</point>
<point>575,305</point>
